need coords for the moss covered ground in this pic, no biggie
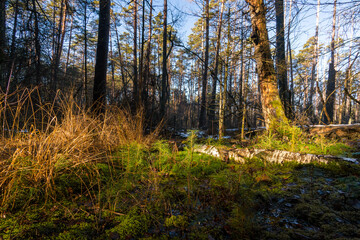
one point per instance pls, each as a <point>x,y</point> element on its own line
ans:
<point>160,192</point>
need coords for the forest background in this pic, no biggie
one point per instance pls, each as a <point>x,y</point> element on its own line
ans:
<point>204,77</point>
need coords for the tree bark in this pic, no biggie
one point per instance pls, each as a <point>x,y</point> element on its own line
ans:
<point>202,117</point>
<point>99,91</point>
<point>272,108</point>
<point>275,156</point>
<point>330,87</point>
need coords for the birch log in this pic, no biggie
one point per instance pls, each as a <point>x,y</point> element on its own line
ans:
<point>275,156</point>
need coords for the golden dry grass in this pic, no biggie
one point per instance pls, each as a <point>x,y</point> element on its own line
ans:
<point>41,141</point>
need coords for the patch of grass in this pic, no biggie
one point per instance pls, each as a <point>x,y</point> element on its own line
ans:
<point>59,141</point>
<point>291,138</point>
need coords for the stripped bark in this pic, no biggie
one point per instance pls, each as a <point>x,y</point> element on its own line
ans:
<point>274,156</point>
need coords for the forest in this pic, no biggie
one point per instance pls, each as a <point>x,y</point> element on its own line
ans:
<point>184,119</point>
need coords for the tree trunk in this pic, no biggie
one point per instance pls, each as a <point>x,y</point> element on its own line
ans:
<point>141,70</point>
<point>59,43</point>
<point>122,70</point>
<point>85,58</point>
<point>272,108</point>
<point>202,117</point>
<point>112,64</point>
<point>99,91</point>
<point>281,67</point>
<point>291,92</point>
<point>147,57</point>
<point>223,86</point>
<point>330,88</point>
<point>69,46</point>
<point>37,44</point>
<point>135,63</point>
<point>242,105</point>
<point>348,78</point>
<point>164,79</point>
<point>215,75</point>
<point>13,39</point>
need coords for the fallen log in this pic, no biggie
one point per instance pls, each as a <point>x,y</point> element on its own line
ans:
<point>275,156</point>
<point>347,131</point>
<point>337,131</point>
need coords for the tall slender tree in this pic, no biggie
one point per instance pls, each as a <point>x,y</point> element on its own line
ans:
<point>291,92</point>
<point>2,42</point>
<point>202,117</point>
<point>310,104</point>
<point>135,60</point>
<point>281,67</point>
<point>164,78</point>
<point>59,42</point>
<point>224,83</point>
<point>330,87</point>
<point>37,43</point>
<point>147,56</point>
<point>13,39</point>
<point>85,83</point>
<point>99,91</point>
<point>215,76</point>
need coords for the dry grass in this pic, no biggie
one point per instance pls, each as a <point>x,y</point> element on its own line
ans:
<point>41,141</point>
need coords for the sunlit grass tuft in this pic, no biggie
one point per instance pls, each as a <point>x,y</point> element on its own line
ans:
<point>41,142</point>
<point>292,138</point>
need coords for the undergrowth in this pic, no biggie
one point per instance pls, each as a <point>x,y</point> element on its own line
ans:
<point>292,138</point>
<point>84,177</point>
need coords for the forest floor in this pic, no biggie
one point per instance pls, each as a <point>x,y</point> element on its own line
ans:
<point>165,190</point>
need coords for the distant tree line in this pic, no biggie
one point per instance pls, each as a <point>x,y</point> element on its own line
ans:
<point>238,68</point>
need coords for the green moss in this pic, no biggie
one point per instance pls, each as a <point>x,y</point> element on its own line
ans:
<point>179,221</point>
<point>82,230</point>
<point>132,225</point>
